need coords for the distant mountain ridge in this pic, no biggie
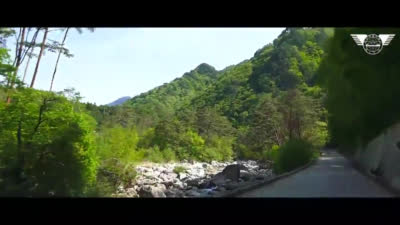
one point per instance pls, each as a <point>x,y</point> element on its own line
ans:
<point>119,101</point>
<point>290,61</point>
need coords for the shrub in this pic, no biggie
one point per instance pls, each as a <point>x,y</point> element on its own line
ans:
<point>179,169</point>
<point>168,155</point>
<point>117,152</point>
<point>223,148</point>
<point>154,155</point>
<point>191,146</point>
<point>147,138</point>
<point>271,154</point>
<point>111,176</point>
<point>293,154</point>
<point>246,153</point>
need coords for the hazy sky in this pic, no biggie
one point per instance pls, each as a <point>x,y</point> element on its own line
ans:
<point>114,62</point>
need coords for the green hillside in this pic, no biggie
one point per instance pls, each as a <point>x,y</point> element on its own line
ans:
<point>266,108</point>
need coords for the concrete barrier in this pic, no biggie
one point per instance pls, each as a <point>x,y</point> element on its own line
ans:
<point>382,155</point>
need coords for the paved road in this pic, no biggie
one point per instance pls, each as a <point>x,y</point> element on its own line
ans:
<point>331,176</point>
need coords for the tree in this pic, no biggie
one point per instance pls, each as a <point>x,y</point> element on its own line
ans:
<point>46,145</point>
<point>46,30</point>
<point>30,54</point>
<point>17,60</point>
<point>299,113</point>
<point>266,127</point>
<point>366,102</point>
<point>60,51</point>
<point>210,123</point>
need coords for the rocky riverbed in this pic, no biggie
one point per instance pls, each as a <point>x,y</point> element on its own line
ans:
<point>194,179</point>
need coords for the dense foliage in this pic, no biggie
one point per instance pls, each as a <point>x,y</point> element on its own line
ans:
<point>245,111</point>
<point>264,108</point>
<point>363,94</point>
<point>46,146</point>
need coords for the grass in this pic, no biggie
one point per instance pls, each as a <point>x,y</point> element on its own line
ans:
<point>180,169</point>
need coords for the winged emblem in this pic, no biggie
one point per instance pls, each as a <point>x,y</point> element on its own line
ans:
<point>386,38</point>
<point>372,43</point>
<point>359,38</point>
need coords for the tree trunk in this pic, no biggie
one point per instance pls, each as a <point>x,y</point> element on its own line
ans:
<point>39,57</point>
<point>20,154</point>
<point>21,46</point>
<point>58,58</point>
<point>17,46</point>
<point>18,61</point>
<point>31,52</point>
<point>290,123</point>
<point>27,64</point>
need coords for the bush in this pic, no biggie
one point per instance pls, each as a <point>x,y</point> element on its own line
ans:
<point>246,153</point>
<point>194,144</point>
<point>218,148</point>
<point>168,155</point>
<point>182,153</point>
<point>117,173</point>
<point>179,169</point>
<point>118,142</point>
<point>293,154</point>
<point>118,153</point>
<point>154,155</point>
<point>147,138</point>
<point>271,154</point>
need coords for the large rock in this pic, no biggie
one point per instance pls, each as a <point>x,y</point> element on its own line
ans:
<point>232,172</point>
<point>218,179</point>
<point>245,176</point>
<point>150,191</point>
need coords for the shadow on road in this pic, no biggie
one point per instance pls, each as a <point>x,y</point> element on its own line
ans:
<point>331,176</point>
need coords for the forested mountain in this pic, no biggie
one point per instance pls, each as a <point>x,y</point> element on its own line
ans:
<point>119,101</point>
<point>251,110</point>
<point>291,61</point>
<point>162,102</point>
<point>230,103</point>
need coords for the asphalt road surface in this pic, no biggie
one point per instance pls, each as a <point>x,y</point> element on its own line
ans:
<point>331,176</point>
